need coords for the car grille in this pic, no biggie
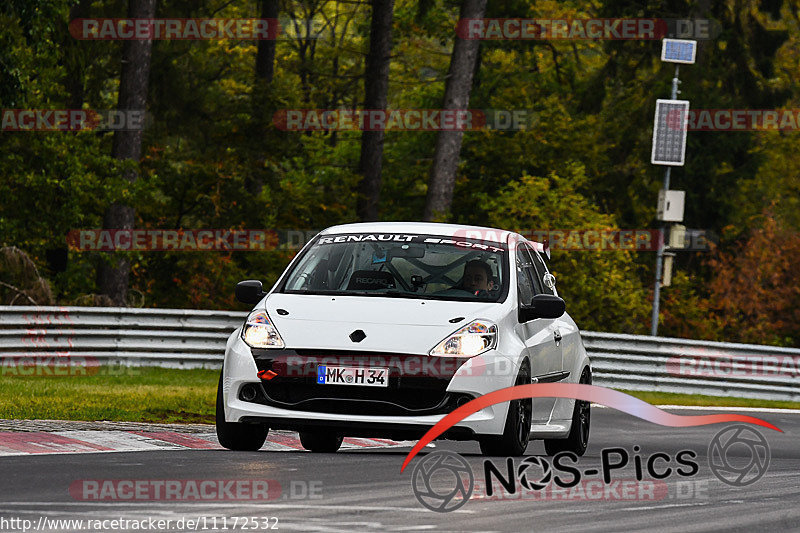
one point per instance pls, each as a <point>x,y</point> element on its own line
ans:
<point>417,385</point>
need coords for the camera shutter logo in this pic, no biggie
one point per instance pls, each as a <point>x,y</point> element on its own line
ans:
<point>739,455</point>
<point>525,473</point>
<point>442,481</point>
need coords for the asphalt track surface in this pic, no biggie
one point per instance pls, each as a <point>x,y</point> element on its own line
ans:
<point>364,490</point>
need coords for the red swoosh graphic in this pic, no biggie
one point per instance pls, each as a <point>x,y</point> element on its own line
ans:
<point>590,393</point>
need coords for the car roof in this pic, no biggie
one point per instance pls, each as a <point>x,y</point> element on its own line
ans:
<point>425,228</point>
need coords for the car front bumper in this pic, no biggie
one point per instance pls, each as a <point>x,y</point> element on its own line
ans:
<point>459,381</point>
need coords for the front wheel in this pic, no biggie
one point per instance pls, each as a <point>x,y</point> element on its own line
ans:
<point>235,435</point>
<point>578,438</point>
<point>517,431</point>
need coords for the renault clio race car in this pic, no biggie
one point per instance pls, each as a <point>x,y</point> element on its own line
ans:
<point>381,329</point>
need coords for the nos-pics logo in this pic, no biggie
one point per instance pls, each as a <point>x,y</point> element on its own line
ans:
<point>443,481</point>
<point>739,455</point>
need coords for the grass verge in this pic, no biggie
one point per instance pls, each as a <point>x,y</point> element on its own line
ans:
<point>668,398</point>
<point>187,396</point>
<point>133,394</point>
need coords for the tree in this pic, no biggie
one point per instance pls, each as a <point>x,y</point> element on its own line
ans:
<point>456,97</point>
<point>265,58</point>
<point>754,291</point>
<point>76,58</point>
<point>113,277</point>
<point>376,89</point>
<point>601,287</point>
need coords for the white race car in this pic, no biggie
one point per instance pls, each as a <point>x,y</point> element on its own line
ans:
<point>381,329</point>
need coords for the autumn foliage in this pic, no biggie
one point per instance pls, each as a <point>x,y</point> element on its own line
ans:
<point>753,295</point>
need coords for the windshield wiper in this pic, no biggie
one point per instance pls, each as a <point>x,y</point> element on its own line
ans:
<point>394,294</point>
<point>399,294</point>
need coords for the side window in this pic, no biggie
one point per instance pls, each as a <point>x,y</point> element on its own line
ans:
<point>525,276</point>
<point>541,270</point>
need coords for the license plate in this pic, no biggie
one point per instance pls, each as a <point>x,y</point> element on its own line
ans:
<point>352,375</point>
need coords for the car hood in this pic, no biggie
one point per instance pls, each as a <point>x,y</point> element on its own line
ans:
<point>395,325</point>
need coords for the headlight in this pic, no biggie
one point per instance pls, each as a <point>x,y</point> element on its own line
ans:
<point>258,331</point>
<point>473,339</point>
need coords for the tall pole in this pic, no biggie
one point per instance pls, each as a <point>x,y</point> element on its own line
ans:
<point>660,253</point>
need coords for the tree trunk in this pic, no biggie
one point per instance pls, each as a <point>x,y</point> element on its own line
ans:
<point>263,100</point>
<point>376,89</point>
<point>456,96</point>
<point>76,58</point>
<point>265,58</point>
<point>113,275</point>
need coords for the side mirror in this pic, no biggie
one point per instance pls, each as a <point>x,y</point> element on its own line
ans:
<point>249,292</point>
<point>542,306</point>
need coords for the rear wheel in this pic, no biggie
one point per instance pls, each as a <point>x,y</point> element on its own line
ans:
<point>516,433</point>
<point>236,435</point>
<point>319,442</point>
<point>578,438</point>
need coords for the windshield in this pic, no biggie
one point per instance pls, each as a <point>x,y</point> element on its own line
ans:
<point>402,265</point>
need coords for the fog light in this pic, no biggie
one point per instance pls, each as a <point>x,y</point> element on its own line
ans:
<point>463,400</point>
<point>248,393</point>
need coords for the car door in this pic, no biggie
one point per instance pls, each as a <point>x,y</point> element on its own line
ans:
<point>563,327</point>
<point>537,334</point>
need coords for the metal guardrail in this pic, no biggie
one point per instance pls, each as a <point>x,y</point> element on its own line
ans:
<point>665,364</point>
<point>173,338</point>
<point>179,338</point>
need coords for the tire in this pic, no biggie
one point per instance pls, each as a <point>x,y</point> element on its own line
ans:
<point>516,433</point>
<point>235,435</point>
<point>320,442</point>
<point>578,438</point>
